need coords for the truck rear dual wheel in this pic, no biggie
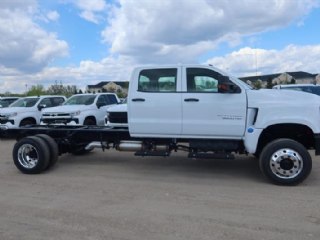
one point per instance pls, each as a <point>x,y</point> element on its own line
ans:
<point>33,155</point>
<point>285,162</point>
<point>53,149</point>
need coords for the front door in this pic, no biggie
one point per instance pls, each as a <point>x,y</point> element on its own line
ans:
<point>207,111</point>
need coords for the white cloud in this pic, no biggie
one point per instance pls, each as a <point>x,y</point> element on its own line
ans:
<point>150,30</point>
<point>24,45</point>
<point>53,15</point>
<point>88,72</point>
<point>248,61</point>
<point>27,5</point>
<point>91,10</point>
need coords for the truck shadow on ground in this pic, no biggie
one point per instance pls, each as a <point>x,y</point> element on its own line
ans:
<point>242,167</point>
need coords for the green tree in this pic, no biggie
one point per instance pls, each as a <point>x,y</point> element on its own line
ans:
<point>257,84</point>
<point>55,89</point>
<point>269,83</point>
<point>59,89</point>
<point>36,90</point>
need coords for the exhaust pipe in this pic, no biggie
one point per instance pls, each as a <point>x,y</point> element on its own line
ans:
<point>130,146</point>
<point>93,145</point>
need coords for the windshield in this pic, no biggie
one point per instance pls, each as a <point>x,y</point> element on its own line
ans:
<point>5,102</point>
<point>316,90</point>
<point>80,100</point>
<point>25,102</point>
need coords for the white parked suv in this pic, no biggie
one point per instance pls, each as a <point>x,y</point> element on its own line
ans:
<point>81,109</point>
<point>27,111</point>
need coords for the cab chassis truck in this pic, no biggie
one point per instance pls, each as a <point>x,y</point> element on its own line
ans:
<point>198,109</point>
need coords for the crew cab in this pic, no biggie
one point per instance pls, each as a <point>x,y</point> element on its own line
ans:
<point>81,109</point>
<point>198,109</point>
<point>27,110</point>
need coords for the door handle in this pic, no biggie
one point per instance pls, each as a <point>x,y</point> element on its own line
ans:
<point>191,100</point>
<point>138,100</point>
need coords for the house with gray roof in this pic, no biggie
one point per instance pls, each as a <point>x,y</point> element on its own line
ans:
<point>109,86</point>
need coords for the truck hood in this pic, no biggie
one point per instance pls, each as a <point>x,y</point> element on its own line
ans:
<point>285,106</point>
<point>276,97</point>
<point>17,110</point>
<point>66,109</point>
<point>118,108</point>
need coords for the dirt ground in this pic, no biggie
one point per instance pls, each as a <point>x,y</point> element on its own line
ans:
<point>112,195</point>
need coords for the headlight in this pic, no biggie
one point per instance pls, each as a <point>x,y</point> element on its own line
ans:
<point>9,115</point>
<point>75,113</point>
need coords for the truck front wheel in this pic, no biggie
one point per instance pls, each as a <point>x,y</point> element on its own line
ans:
<point>285,162</point>
<point>89,122</point>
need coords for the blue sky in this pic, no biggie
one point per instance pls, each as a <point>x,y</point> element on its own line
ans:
<point>81,42</point>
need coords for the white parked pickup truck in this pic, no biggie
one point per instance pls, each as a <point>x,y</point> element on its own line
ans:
<point>117,116</point>
<point>198,109</point>
<point>81,109</point>
<point>27,111</point>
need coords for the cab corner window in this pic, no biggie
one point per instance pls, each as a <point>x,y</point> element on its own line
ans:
<point>158,80</point>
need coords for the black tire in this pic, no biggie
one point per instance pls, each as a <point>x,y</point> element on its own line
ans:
<point>31,155</point>
<point>89,122</point>
<point>285,162</point>
<point>53,149</point>
<point>26,122</point>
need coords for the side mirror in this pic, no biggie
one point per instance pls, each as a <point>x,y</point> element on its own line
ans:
<point>41,106</point>
<point>99,105</point>
<point>228,87</point>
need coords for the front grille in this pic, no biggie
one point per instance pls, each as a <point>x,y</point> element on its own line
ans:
<point>56,115</point>
<point>58,120</point>
<point>118,117</point>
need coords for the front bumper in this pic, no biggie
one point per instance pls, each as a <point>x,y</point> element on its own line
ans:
<point>60,121</point>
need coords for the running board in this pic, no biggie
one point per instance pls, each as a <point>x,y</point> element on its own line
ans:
<point>152,153</point>
<point>211,155</point>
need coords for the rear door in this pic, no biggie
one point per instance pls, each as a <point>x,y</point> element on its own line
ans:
<point>155,102</point>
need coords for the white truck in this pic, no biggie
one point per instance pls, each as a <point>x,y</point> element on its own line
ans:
<point>81,109</point>
<point>197,109</point>
<point>27,110</point>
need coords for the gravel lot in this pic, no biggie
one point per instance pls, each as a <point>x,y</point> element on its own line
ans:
<point>112,195</point>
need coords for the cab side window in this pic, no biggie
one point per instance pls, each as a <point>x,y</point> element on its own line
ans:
<point>205,80</point>
<point>57,101</point>
<point>46,102</point>
<point>158,80</point>
<point>102,100</point>
<point>112,99</point>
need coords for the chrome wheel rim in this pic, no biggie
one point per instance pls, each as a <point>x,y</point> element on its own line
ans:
<point>28,156</point>
<point>286,163</point>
